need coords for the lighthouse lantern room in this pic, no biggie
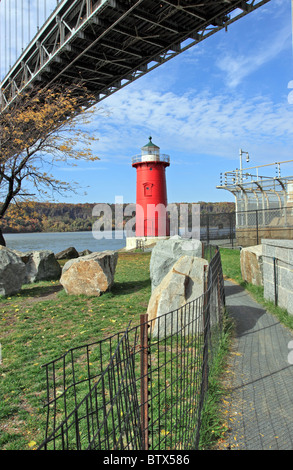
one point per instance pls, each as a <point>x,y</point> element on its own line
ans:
<point>151,196</point>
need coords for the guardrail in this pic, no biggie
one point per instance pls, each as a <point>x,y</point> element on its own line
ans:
<point>151,157</point>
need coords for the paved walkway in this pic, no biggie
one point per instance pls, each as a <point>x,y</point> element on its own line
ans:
<point>260,406</point>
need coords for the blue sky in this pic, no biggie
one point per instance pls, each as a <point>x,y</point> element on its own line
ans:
<point>230,91</point>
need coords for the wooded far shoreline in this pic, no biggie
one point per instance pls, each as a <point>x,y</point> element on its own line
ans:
<point>27,217</point>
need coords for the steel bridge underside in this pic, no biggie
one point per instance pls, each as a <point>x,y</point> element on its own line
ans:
<point>107,44</point>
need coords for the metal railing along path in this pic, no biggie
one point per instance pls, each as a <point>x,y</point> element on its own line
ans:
<point>140,389</point>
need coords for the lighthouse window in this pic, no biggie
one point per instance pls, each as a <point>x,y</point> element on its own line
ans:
<point>148,189</point>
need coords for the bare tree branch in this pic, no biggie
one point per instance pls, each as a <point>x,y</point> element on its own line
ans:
<point>40,129</point>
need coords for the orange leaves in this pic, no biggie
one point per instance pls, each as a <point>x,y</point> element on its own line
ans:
<point>41,127</point>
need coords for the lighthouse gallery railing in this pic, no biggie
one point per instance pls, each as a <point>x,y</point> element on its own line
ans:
<point>148,157</point>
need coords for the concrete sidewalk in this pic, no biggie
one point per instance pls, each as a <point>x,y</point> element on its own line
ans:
<point>260,406</point>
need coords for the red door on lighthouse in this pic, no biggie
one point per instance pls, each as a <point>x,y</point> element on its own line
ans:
<point>151,192</point>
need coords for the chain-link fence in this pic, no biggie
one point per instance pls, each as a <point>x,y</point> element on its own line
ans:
<point>247,228</point>
<point>143,388</point>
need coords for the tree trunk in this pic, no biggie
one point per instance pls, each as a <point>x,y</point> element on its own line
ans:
<point>2,240</point>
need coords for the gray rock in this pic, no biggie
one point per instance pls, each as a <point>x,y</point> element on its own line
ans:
<point>12,272</point>
<point>68,253</point>
<point>251,263</point>
<point>24,256</point>
<point>84,252</point>
<point>41,266</point>
<point>183,283</point>
<point>167,252</point>
<point>92,274</point>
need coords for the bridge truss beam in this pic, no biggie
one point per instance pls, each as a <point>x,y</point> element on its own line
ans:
<point>107,44</point>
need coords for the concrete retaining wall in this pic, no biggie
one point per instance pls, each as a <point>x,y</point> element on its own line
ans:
<point>132,242</point>
<point>247,236</point>
<point>278,272</point>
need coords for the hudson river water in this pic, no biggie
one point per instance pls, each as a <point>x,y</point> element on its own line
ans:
<point>58,241</point>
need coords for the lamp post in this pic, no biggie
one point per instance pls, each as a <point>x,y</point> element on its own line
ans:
<point>241,152</point>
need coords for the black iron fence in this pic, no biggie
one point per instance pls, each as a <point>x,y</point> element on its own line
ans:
<point>246,228</point>
<point>218,227</point>
<point>143,388</point>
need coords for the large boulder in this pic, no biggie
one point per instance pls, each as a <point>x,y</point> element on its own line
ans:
<point>68,253</point>
<point>251,265</point>
<point>92,274</point>
<point>167,252</point>
<point>182,284</point>
<point>24,256</point>
<point>41,266</point>
<point>84,252</point>
<point>12,272</point>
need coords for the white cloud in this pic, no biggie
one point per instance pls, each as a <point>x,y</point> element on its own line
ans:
<point>239,66</point>
<point>195,124</point>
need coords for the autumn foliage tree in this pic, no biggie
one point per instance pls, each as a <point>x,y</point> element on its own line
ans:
<point>39,130</point>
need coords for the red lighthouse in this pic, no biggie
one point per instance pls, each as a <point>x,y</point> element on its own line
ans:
<point>151,192</point>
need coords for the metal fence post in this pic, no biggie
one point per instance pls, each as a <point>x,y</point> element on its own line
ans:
<point>206,319</point>
<point>144,380</point>
<point>231,229</point>
<point>220,311</point>
<point>204,372</point>
<point>208,229</point>
<point>275,281</point>
<point>256,223</point>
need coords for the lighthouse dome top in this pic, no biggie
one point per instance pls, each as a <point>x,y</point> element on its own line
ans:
<point>150,147</point>
<point>150,153</point>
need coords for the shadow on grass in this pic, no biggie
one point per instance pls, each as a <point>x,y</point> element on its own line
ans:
<point>126,288</point>
<point>41,290</point>
<point>37,290</point>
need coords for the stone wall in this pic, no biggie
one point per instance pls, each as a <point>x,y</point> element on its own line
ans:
<point>251,264</point>
<point>278,272</point>
<point>247,236</point>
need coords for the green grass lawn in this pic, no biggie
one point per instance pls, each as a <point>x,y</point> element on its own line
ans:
<point>43,322</point>
<point>40,324</point>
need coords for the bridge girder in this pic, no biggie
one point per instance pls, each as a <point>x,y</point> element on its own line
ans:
<point>107,44</point>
